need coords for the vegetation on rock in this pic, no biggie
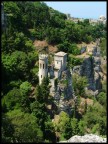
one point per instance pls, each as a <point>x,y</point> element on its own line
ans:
<point>26,119</point>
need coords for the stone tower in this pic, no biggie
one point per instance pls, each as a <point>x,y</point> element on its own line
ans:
<point>43,66</point>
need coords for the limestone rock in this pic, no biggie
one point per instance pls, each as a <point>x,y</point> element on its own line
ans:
<point>88,138</point>
<point>77,69</point>
<point>83,49</point>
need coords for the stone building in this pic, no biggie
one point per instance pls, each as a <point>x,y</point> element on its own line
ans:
<point>60,61</point>
<point>60,80</point>
<point>102,19</point>
<point>43,67</point>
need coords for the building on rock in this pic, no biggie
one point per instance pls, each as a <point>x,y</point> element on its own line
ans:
<point>54,70</point>
<point>60,79</point>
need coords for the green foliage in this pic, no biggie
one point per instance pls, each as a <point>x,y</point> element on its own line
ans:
<point>7,129</point>
<point>34,76</point>
<point>68,47</point>
<point>95,115</point>
<point>15,84</point>
<point>101,97</point>
<point>82,127</point>
<point>39,110</point>
<point>25,126</point>
<point>103,45</point>
<point>17,41</point>
<point>64,46</point>
<point>25,88</point>
<point>27,21</point>
<point>64,126</point>
<point>53,35</point>
<point>95,129</point>
<point>79,83</point>
<point>47,23</point>
<point>42,92</point>
<point>73,61</point>
<point>86,22</point>
<point>64,82</point>
<point>15,64</point>
<point>104,86</point>
<point>49,130</point>
<point>88,38</point>
<point>11,100</point>
<point>74,126</point>
<point>73,49</point>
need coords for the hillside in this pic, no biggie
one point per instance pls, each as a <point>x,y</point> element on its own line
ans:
<point>30,112</point>
<point>40,45</point>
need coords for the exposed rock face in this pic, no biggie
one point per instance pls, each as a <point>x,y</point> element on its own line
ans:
<point>83,49</point>
<point>94,51</point>
<point>64,93</point>
<point>87,139</point>
<point>77,69</point>
<point>87,69</point>
<point>91,69</point>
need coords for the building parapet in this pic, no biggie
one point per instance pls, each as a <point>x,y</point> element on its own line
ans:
<point>43,56</point>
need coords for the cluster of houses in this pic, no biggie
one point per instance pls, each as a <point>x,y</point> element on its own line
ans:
<point>101,19</point>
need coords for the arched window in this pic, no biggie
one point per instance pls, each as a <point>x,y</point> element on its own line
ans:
<point>41,76</point>
<point>43,66</point>
<point>40,65</point>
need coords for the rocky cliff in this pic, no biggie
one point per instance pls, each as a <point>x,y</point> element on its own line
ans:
<point>91,69</point>
<point>64,93</point>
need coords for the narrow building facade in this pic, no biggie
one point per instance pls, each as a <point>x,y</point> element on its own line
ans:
<point>43,67</point>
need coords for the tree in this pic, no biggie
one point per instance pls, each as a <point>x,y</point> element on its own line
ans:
<point>26,127</point>
<point>64,46</point>
<point>53,35</point>
<point>74,126</point>
<point>34,76</point>
<point>73,49</point>
<point>64,125</point>
<point>103,46</point>
<point>11,100</point>
<point>96,114</point>
<point>82,127</point>
<point>39,110</point>
<point>49,131</point>
<point>79,83</point>
<point>16,64</point>
<point>42,91</point>
<point>7,129</point>
<point>73,61</point>
<point>86,22</point>
<point>101,97</point>
<point>25,89</point>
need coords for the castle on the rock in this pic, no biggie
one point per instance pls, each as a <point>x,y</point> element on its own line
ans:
<point>55,70</point>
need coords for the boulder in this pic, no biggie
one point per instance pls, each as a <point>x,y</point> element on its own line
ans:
<point>88,138</point>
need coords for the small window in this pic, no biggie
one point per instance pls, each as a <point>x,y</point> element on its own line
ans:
<point>57,62</point>
<point>41,76</point>
<point>40,65</point>
<point>43,66</point>
<point>46,66</point>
